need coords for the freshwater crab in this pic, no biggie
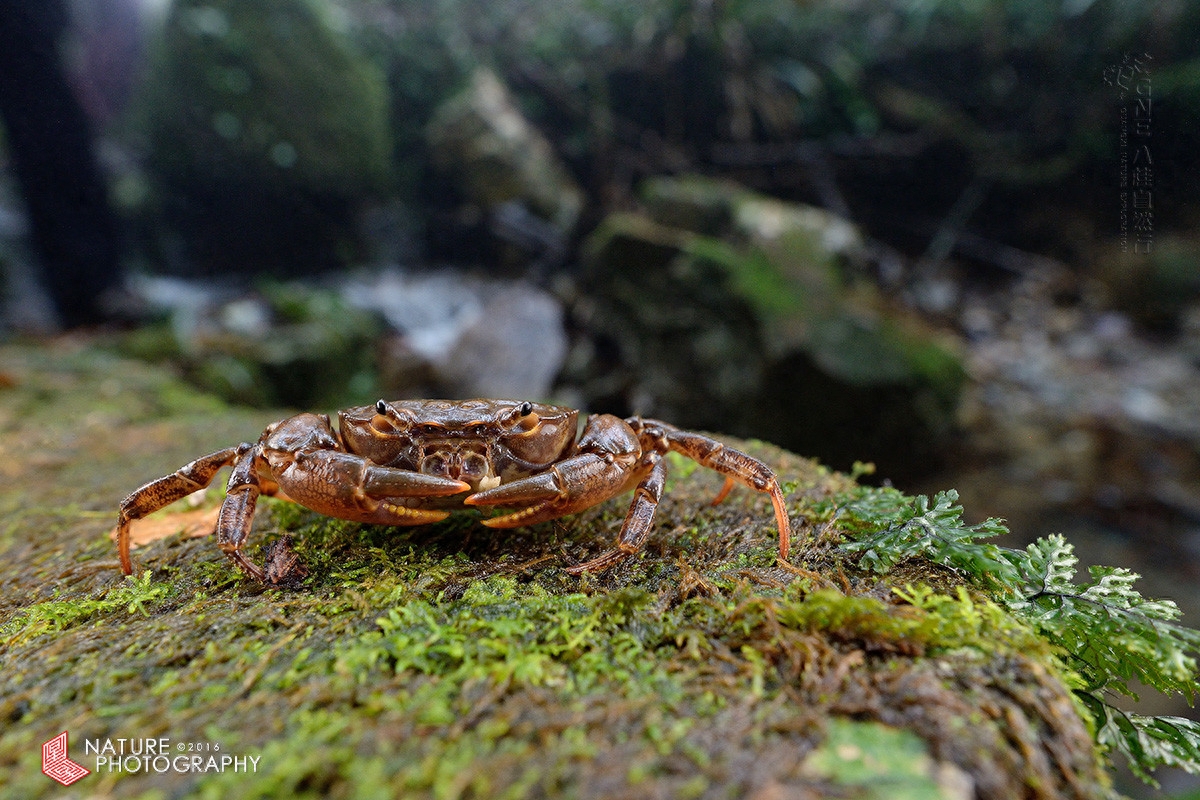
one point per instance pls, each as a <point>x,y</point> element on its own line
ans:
<point>411,462</point>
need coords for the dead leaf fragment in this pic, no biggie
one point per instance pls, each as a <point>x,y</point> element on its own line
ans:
<point>190,524</point>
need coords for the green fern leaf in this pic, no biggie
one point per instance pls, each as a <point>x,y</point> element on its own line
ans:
<point>1103,629</point>
<point>1047,566</point>
<point>1148,742</point>
<point>913,527</point>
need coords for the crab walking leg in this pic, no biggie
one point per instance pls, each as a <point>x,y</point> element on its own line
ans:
<point>726,488</point>
<point>166,490</point>
<point>638,520</point>
<point>237,512</point>
<point>328,481</point>
<point>733,464</point>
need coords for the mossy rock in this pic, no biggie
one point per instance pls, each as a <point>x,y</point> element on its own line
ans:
<point>762,325</point>
<point>266,128</point>
<point>808,247</point>
<point>454,661</point>
<point>689,344</point>
<point>480,138</point>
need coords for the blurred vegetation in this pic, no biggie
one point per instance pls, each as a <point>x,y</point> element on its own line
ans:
<point>266,131</point>
<point>286,345</point>
<point>905,103</point>
<point>975,136</point>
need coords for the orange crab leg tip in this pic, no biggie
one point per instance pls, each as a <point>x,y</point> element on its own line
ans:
<point>781,519</point>
<point>721,495</point>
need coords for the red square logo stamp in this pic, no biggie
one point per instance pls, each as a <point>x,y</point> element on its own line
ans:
<point>58,765</point>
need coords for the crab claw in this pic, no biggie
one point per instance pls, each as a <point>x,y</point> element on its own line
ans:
<point>347,486</point>
<point>570,486</point>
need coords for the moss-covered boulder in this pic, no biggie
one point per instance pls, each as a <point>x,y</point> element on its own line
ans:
<point>445,661</point>
<point>691,348</point>
<point>498,171</point>
<point>284,345</point>
<point>732,308</point>
<point>267,128</point>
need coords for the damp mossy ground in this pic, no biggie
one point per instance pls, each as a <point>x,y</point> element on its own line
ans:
<point>455,661</point>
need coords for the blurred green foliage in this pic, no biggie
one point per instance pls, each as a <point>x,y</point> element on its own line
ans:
<point>266,129</point>
<point>1009,80</point>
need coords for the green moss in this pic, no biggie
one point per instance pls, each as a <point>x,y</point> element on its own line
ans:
<point>536,639</point>
<point>135,595</point>
<point>452,661</point>
<point>878,762</point>
<point>927,622</point>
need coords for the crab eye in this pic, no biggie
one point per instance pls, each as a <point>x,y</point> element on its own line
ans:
<point>381,408</point>
<point>525,419</point>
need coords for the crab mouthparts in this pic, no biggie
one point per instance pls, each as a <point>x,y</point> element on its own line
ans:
<point>461,465</point>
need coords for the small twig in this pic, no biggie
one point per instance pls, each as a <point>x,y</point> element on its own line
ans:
<point>949,231</point>
<point>515,568</point>
<point>90,567</point>
<point>803,573</point>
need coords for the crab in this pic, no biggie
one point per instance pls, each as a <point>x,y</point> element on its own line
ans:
<point>412,462</point>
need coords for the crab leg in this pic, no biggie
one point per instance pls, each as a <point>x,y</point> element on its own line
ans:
<point>328,481</point>
<point>237,512</point>
<point>638,520</point>
<point>166,490</point>
<point>733,464</point>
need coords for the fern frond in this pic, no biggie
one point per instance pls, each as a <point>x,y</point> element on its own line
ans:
<point>1147,742</point>
<point>1107,631</point>
<point>1104,630</point>
<point>915,528</point>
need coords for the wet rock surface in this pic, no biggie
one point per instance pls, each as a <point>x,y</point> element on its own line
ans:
<point>438,658</point>
<point>351,339</point>
<point>1073,407</point>
<point>460,335</point>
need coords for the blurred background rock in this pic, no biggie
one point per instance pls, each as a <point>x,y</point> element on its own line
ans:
<point>881,231</point>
